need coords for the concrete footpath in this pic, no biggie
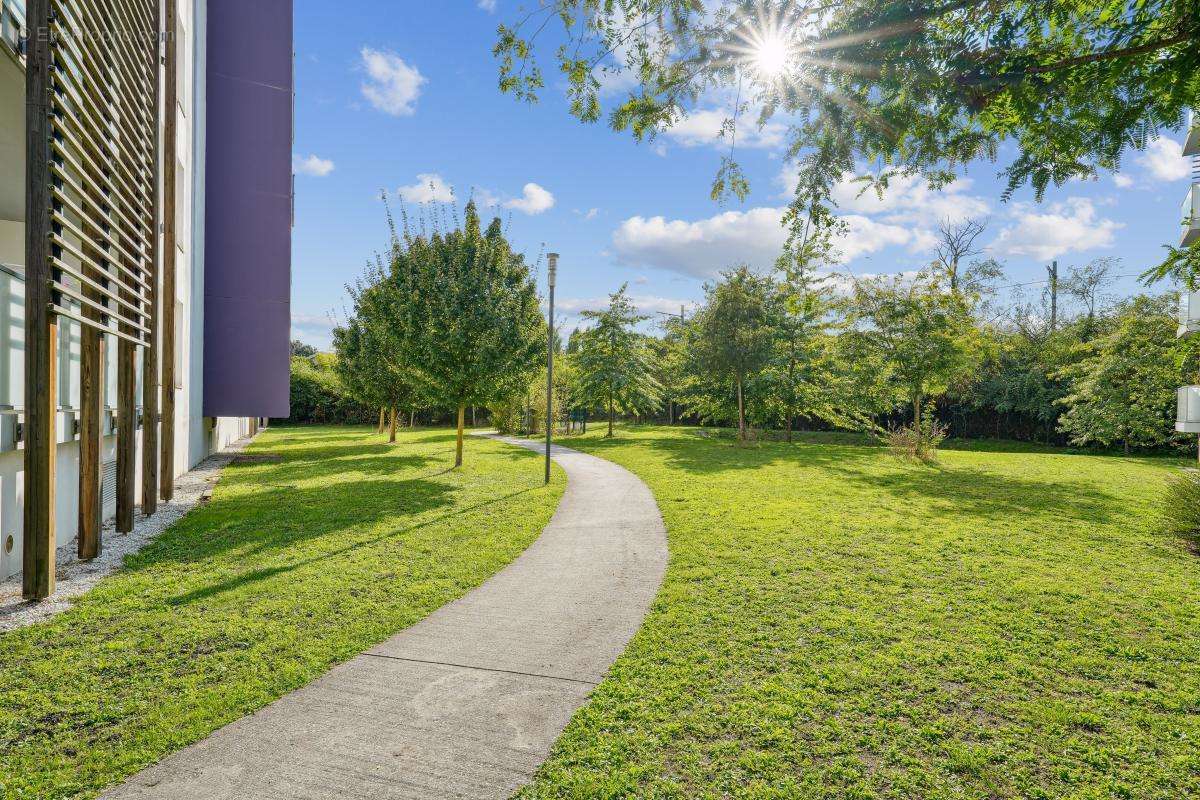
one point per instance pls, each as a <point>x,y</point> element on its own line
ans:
<point>467,702</point>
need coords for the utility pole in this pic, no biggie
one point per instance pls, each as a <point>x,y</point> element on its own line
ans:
<point>552,258</point>
<point>1053,270</point>
<point>682,321</point>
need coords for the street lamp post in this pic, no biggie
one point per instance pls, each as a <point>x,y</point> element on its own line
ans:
<point>552,258</point>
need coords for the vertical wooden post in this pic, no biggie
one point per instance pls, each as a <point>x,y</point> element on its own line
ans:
<point>170,251</point>
<point>41,341</point>
<point>126,434</point>
<point>91,439</point>
<point>150,378</point>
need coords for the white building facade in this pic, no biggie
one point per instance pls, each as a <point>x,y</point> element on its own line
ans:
<point>187,235</point>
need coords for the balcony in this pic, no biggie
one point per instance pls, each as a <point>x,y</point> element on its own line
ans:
<point>1190,216</point>
<point>1189,313</point>
<point>12,133</point>
<point>1191,144</point>
<point>1187,420</point>
<point>12,27</point>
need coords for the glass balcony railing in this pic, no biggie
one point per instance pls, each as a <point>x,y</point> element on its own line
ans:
<point>1189,313</point>
<point>1190,214</point>
<point>12,25</point>
<point>1187,418</point>
<point>1191,141</point>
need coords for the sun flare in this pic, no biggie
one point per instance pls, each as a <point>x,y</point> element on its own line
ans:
<point>771,56</point>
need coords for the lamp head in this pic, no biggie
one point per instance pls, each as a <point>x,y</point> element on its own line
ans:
<point>552,259</point>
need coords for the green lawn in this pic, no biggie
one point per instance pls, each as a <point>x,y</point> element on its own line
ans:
<point>838,624</point>
<point>291,568</point>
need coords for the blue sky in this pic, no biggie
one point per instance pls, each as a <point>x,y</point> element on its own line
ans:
<point>395,95</point>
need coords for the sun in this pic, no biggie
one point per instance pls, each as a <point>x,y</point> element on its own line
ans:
<point>771,56</point>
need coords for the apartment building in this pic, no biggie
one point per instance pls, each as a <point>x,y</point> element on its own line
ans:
<point>145,243</point>
<point>1188,417</point>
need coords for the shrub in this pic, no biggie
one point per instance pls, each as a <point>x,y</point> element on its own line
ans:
<point>507,419</point>
<point>1180,510</point>
<point>317,395</point>
<point>906,442</point>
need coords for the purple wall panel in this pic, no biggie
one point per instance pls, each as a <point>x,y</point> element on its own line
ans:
<point>248,184</point>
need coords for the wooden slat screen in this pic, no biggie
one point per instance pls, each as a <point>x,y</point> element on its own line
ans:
<point>93,93</point>
<point>104,58</point>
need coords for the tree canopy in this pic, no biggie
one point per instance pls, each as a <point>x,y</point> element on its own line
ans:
<point>923,333</point>
<point>901,86</point>
<point>453,315</point>
<point>732,332</point>
<point>1121,389</point>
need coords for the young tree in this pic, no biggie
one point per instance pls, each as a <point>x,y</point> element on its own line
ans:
<point>1087,283</point>
<point>956,244</point>
<point>732,333</point>
<point>924,333</point>
<point>612,362</point>
<point>804,376</point>
<point>463,312</point>
<point>368,363</point>
<point>670,364</point>
<point>1124,389</point>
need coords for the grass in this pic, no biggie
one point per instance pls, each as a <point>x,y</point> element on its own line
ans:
<point>835,623</point>
<point>290,569</point>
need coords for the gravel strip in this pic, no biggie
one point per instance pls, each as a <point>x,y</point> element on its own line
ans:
<point>76,577</point>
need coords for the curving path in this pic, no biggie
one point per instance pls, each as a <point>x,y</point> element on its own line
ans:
<point>467,702</point>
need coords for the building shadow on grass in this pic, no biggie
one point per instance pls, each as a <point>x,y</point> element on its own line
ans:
<point>707,456</point>
<point>988,495</point>
<point>255,575</point>
<point>285,517</point>
<point>340,461</point>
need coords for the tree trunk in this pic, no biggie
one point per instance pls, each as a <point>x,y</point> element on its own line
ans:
<point>741,412</point>
<point>462,418</point>
<point>789,428</point>
<point>917,417</point>
<point>412,419</point>
<point>392,427</point>
<point>611,414</point>
<point>1126,447</point>
<point>382,420</point>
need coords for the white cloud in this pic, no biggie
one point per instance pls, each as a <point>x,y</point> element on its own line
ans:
<point>315,329</point>
<point>312,165</point>
<point>1070,226</point>
<point>908,199</point>
<point>392,86</point>
<point>1122,181</point>
<point>703,127</point>
<point>485,198</point>
<point>429,188</point>
<point>487,5</point>
<point>645,304</point>
<point>703,248</point>
<point>1164,159</point>
<point>301,319</point>
<point>591,213</point>
<point>864,236</point>
<point>534,200</point>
